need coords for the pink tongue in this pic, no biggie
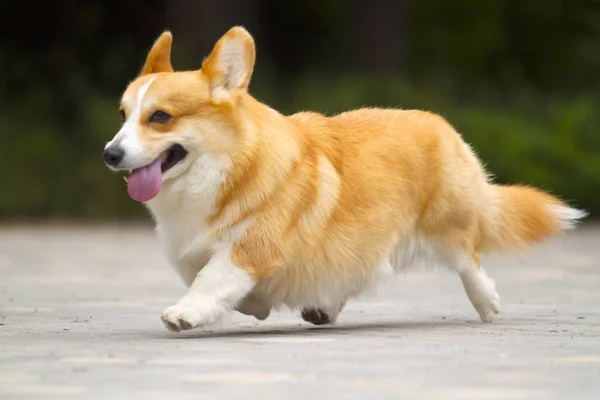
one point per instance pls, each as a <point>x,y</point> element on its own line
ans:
<point>144,183</point>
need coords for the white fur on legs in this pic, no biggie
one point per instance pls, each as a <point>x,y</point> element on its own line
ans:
<point>481,290</point>
<point>217,290</point>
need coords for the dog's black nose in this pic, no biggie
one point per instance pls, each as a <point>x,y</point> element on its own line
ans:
<point>113,156</point>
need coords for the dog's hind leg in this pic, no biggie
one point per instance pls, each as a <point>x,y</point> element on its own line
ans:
<point>480,289</point>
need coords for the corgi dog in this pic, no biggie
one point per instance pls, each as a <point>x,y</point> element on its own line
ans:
<point>257,210</point>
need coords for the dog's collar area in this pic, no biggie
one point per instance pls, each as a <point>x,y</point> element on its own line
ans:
<point>174,154</point>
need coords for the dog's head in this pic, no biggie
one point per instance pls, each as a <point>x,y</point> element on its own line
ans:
<point>171,118</point>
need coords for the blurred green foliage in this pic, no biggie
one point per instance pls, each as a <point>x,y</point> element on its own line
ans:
<point>519,80</point>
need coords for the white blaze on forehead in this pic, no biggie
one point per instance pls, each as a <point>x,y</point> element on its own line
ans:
<point>141,93</point>
<point>127,137</point>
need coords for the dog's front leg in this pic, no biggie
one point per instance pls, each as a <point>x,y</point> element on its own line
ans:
<point>255,307</point>
<point>217,290</point>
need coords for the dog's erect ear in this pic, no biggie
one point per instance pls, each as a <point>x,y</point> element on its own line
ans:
<point>229,66</point>
<point>159,57</point>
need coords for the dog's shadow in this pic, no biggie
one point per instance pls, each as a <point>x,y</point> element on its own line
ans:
<point>308,331</point>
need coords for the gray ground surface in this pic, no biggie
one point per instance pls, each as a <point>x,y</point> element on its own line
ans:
<point>79,318</point>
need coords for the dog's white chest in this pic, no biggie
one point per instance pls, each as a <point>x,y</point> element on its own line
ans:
<point>181,210</point>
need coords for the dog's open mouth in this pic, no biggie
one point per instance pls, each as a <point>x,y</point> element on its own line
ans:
<point>144,183</point>
<point>172,156</point>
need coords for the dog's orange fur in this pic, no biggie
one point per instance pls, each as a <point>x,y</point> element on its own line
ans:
<point>398,173</point>
<point>331,197</point>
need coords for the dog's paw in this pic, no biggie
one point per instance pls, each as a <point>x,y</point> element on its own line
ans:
<point>488,307</point>
<point>487,302</point>
<point>180,318</point>
<point>315,316</point>
<point>481,290</point>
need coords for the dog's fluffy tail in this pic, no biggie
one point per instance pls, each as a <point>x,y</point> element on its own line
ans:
<point>522,215</point>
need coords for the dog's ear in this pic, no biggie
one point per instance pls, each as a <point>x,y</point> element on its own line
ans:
<point>159,57</point>
<point>229,66</point>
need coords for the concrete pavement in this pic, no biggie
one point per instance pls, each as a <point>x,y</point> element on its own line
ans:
<point>80,306</point>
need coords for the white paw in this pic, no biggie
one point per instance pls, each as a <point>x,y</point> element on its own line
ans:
<point>481,290</point>
<point>488,307</point>
<point>180,318</point>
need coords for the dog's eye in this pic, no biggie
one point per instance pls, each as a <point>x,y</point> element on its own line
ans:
<point>122,114</point>
<point>160,116</point>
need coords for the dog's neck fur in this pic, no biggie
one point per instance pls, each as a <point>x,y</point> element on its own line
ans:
<point>220,193</point>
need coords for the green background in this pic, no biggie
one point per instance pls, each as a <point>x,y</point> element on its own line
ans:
<point>519,79</point>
